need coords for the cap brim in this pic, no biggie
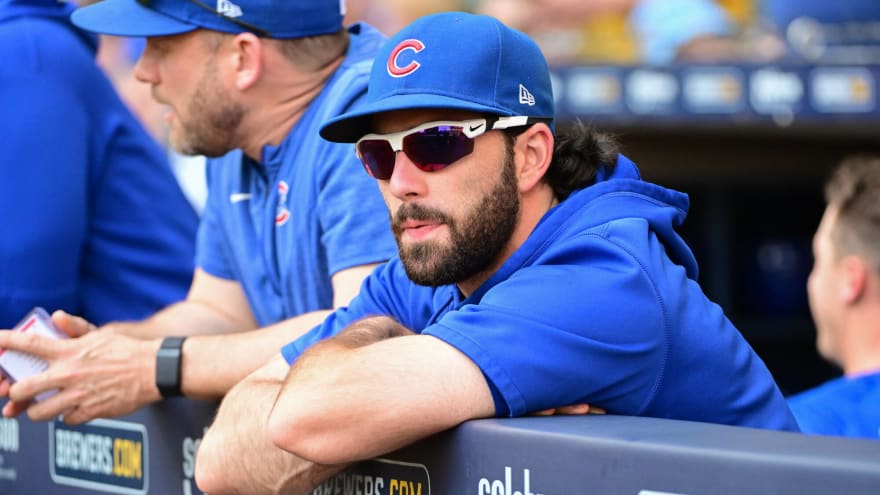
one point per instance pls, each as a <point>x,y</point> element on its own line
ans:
<point>349,127</point>
<point>127,18</point>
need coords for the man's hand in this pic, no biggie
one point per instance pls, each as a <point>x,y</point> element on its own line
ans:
<point>96,373</point>
<point>73,326</point>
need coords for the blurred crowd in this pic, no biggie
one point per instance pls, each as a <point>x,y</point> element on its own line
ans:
<point>664,31</point>
<point>652,32</point>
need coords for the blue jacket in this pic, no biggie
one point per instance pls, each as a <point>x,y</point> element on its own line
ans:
<point>600,305</point>
<point>92,218</point>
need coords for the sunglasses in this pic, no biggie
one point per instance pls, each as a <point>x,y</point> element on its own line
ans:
<point>431,146</point>
<point>244,25</point>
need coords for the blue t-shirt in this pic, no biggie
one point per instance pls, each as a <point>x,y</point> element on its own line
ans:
<point>600,305</point>
<point>92,218</point>
<point>845,406</point>
<point>284,226</point>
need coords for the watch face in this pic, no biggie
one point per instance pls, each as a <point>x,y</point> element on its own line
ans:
<point>168,366</point>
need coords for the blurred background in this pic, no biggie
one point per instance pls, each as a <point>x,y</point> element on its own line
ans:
<point>746,105</point>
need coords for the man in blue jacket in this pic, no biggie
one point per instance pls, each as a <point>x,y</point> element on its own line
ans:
<point>844,290</point>
<point>533,273</point>
<point>291,228</point>
<point>93,220</point>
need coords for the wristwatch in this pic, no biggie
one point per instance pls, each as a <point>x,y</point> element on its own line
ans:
<point>168,366</point>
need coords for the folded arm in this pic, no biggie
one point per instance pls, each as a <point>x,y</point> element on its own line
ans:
<point>236,456</point>
<point>373,389</point>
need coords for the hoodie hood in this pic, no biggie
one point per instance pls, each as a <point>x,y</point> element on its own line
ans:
<point>46,9</point>
<point>621,193</point>
<point>618,193</point>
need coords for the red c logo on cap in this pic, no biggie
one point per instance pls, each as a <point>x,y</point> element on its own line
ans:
<point>395,70</point>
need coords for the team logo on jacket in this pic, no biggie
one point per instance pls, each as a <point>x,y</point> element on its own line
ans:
<point>282,214</point>
<point>394,67</point>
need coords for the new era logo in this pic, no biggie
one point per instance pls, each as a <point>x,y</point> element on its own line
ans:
<point>525,97</point>
<point>228,9</point>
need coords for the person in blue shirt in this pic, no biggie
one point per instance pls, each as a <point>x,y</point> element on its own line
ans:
<point>291,226</point>
<point>534,272</point>
<point>844,295</point>
<point>94,222</point>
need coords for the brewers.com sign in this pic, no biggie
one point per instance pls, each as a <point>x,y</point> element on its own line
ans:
<point>379,477</point>
<point>104,455</point>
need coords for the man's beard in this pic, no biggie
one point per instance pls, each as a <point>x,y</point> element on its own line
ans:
<point>213,119</point>
<point>473,246</point>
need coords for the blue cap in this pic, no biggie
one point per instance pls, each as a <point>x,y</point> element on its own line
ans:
<point>452,61</point>
<point>267,18</point>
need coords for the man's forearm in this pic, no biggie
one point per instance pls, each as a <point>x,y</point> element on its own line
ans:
<point>328,375</point>
<point>184,318</point>
<point>236,456</point>
<point>115,365</point>
<point>214,305</point>
<point>206,376</point>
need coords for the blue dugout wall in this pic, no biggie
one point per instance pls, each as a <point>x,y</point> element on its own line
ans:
<point>152,452</point>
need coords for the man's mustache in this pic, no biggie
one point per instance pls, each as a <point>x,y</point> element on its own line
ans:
<point>413,211</point>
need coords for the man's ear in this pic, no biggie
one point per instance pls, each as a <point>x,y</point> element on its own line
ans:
<point>534,152</point>
<point>247,59</point>
<point>854,272</point>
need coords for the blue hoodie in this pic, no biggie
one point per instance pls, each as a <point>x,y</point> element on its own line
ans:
<point>92,218</point>
<point>600,305</point>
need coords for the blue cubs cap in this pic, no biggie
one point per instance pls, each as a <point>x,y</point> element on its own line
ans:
<point>266,18</point>
<point>453,61</point>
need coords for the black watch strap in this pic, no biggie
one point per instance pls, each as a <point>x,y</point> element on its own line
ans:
<point>168,366</point>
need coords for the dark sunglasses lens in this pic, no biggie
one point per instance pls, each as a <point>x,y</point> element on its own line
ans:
<point>378,158</point>
<point>437,148</point>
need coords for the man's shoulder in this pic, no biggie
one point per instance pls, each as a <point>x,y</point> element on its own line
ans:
<point>349,82</point>
<point>343,90</point>
<point>852,389</point>
<point>347,85</point>
<point>820,394</point>
<point>365,43</point>
<point>832,408</point>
